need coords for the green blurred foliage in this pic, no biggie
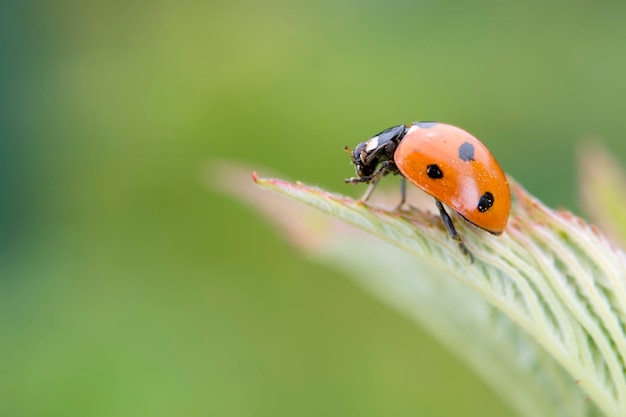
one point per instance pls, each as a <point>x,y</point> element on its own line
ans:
<point>128,287</point>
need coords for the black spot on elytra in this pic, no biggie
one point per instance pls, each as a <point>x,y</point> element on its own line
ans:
<point>426,125</point>
<point>434,172</point>
<point>485,202</point>
<point>466,152</point>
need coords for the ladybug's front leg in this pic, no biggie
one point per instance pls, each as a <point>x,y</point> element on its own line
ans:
<point>372,180</point>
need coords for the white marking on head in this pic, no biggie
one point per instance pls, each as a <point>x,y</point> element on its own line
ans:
<point>372,144</point>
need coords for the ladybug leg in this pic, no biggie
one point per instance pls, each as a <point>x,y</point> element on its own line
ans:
<point>447,221</point>
<point>370,189</point>
<point>402,194</point>
<point>372,180</point>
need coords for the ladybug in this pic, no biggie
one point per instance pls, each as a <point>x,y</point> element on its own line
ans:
<point>447,163</point>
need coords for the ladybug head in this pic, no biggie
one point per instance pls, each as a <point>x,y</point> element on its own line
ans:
<point>360,159</point>
<point>378,149</point>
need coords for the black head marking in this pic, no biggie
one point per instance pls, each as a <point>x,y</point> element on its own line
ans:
<point>485,202</point>
<point>466,152</point>
<point>434,172</point>
<point>393,133</point>
<point>425,125</point>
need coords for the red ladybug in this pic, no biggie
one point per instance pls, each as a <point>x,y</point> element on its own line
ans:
<point>444,161</point>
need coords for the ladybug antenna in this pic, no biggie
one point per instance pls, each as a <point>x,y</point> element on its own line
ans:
<point>347,149</point>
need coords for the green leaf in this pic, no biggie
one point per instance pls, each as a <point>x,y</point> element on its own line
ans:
<point>603,190</point>
<point>539,315</point>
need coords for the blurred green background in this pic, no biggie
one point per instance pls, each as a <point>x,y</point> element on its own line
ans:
<point>128,287</point>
